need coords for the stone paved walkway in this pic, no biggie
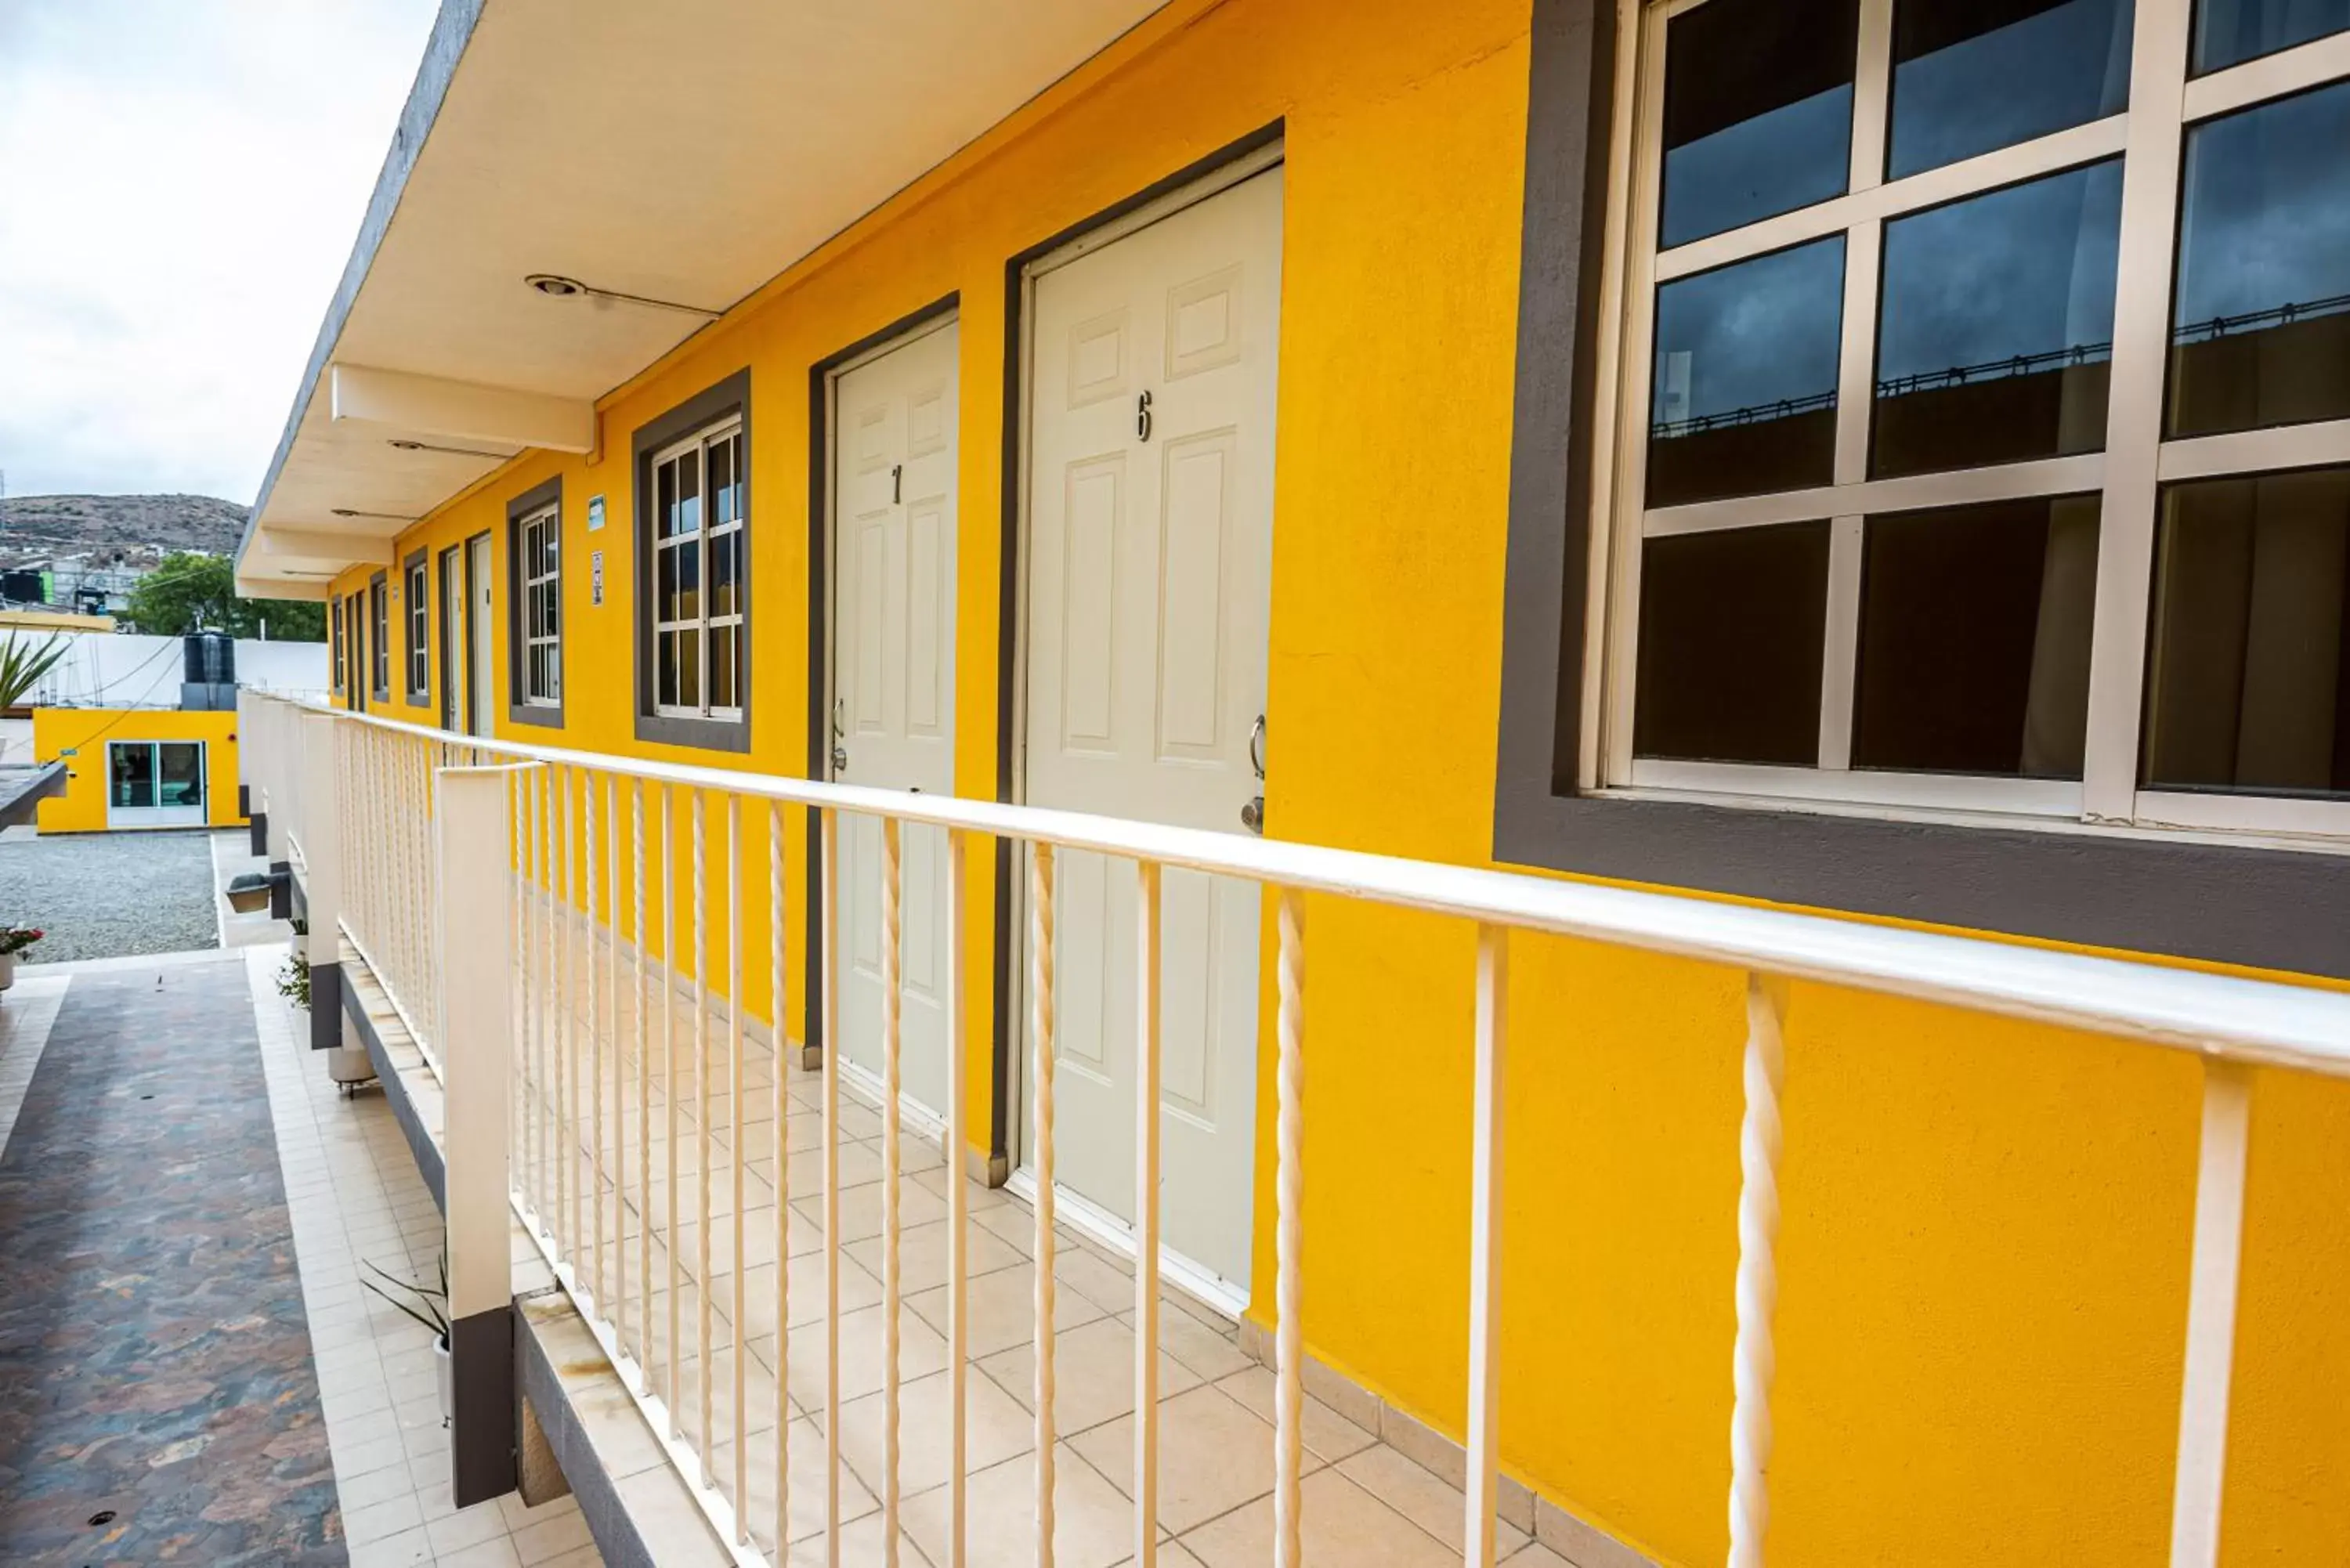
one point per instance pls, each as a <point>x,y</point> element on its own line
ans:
<point>155,1364</point>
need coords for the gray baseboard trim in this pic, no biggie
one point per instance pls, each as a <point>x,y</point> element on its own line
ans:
<point>326,1006</point>
<point>484,1406</point>
<point>257,823</point>
<point>281,889</point>
<point>429,1164</point>
<point>1581,1542</point>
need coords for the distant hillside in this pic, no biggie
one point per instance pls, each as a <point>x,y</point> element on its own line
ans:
<point>142,528</point>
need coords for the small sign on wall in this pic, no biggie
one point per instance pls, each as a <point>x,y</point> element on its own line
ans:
<point>595,577</point>
<point>595,513</point>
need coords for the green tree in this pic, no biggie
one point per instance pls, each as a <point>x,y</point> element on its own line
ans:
<point>191,591</point>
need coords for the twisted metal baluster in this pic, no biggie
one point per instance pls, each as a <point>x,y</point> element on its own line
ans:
<point>1040,904</point>
<point>1288,1361</point>
<point>1755,1357</point>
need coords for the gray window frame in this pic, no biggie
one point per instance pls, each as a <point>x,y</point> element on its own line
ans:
<point>729,398</point>
<point>417,650</point>
<point>2265,908</point>
<point>379,605</point>
<point>522,708</point>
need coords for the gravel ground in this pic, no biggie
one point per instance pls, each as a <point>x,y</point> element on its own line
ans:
<point>108,894</point>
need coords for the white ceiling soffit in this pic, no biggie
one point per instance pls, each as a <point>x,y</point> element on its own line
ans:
<point>684,152</point>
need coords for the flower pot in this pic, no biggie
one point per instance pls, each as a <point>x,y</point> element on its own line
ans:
<point>441,1366</point>
<point>8,971</point>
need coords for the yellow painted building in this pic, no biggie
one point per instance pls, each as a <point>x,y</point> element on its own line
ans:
<point>130,768</point>
<point>1573,566</point>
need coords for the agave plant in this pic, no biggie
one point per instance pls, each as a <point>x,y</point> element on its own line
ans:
<point>427,1305</point>
<point>23,662</point>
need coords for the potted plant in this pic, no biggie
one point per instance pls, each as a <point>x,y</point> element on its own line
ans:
<point>15,939</point>
<point>430,1307</point>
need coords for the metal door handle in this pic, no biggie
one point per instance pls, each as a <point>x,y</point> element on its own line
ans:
<point>1256,747</point>
<point>1252,816</point>
<point>839,759</point>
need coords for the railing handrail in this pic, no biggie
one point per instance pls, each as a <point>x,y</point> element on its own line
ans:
<point>2266,1021</point>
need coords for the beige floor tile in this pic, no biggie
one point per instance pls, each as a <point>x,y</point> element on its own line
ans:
<point>1209,1352</point>
<point>1339,1521</point>
<point>921,1351</point>
<point>1425,1499</point>
<point>995,1430</point>
<point>922,1255</point>
<point>1093,1523</point>
<point>860,1547</point>
<point>1093,1370</point>
<point>1213,1456</point>
<point>1001,1309</point>
<point>1327,1433</point>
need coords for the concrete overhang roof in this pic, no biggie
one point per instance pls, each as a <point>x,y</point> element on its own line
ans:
<point>685,152</point>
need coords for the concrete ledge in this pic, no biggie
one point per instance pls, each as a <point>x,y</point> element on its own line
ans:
<point>1581,1542</point>
<point>408,1084</point>
<point>636,1504</point>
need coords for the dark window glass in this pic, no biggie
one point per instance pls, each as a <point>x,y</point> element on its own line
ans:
<point>134,775</point>
<point>688,582</point>
<point>722,667</point>
<point>1743,399</point>
<point>1972,76</point>
<point>1974,639</point>
<point>1995,326</point>
<point>1758,111</point>
<point>2228,31</point>
<point>689,669</point>
<point>180,772</point>
<point>665,501</point>
<point>688,492</point>
<point>722,557</point>
<point>1730,630</point>
<point>667,690</point>
<point>2260,317</point>
<point>2249,682</point>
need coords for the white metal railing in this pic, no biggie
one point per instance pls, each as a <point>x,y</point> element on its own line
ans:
<point>626,1211</point>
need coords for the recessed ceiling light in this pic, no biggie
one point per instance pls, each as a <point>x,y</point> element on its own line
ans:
<point>557,287</point>
<point>455,451</point>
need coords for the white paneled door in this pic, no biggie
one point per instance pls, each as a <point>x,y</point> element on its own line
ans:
<point>893,577</point>
<point>1149,567</point>
<point>481,683</point>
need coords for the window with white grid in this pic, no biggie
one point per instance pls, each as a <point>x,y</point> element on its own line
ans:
<point>420,669</point>
<point>698,604</point>
<point>1982,432</point>
<point>542,607</point>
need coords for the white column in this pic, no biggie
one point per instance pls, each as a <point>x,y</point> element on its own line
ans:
<point>476,925</point>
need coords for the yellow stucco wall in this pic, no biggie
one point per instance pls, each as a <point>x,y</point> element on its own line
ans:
<point>1986,1225</point>
<point>90,731</point>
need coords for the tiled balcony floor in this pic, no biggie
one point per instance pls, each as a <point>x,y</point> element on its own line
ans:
<point>1365,1504</point>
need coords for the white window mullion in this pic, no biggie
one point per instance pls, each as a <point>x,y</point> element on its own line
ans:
<point>2134,408</point>
<point>1840,647</point>
<point>1632,439</point>
<point>1872,96</point>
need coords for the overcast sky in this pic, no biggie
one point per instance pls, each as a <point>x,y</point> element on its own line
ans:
<point>180,184</point>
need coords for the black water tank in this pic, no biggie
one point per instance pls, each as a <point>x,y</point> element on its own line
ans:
<point>211,659</point>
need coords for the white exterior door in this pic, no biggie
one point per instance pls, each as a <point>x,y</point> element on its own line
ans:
<point>1149,552</point>
<point>452,610</point>
<point>481,667</point>
<point>893,587</point>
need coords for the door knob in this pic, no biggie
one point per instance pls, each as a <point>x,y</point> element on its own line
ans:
<point>840,759</point>
<point>1252,815</point>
